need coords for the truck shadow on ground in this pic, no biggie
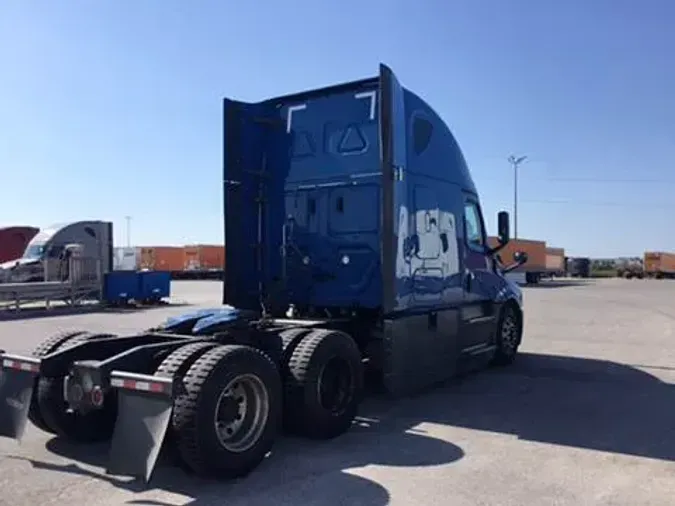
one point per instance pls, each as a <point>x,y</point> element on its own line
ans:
<point>559,283</point>
<point>297,472</point>
<point>32,313</point>
<point>569,401</point>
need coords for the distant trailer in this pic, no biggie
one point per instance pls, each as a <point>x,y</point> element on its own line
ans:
<point>659,264</point>
<point>555,261</point>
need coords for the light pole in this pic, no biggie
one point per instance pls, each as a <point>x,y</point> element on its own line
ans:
<point>515,162</point>
<point>128,220</point>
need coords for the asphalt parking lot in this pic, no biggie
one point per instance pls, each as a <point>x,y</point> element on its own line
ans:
<point>585,417</point>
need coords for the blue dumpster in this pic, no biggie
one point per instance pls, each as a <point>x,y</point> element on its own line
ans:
<point>120,287</point>
<point>154,286</point>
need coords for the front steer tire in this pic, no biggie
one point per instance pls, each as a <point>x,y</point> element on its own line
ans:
<point>194,415</point>
<point>95,426</point>
<point>509,335</point>
<point>324,385</point>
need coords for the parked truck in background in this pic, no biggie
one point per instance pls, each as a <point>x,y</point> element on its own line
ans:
<point>46,255</point>
<point>579,267</point>
<point>13,242</point>
<point>659,264</point>
<point>630,268</point>
<point>355,243</point>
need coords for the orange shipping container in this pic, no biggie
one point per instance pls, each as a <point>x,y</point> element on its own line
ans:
<point>161,258</point>
<point>555,259</point>
<point>536,253</point>
<point>659,262</point>
<point>203,257</point>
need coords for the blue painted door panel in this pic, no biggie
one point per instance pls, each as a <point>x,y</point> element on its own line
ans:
<point>332,196</point>
<point>479,310</point>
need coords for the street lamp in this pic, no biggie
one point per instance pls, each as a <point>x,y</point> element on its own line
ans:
<point>515,162</point>
<point>128,220</point>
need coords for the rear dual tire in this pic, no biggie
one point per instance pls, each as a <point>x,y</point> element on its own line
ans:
<point>230,414</point>
<point>228,418</point>
<point>217,380</point>
<point>49,410</point>
<point>46,347</point>
<point>323,385</point>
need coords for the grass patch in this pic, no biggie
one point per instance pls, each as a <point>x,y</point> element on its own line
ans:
<point>603,273</point>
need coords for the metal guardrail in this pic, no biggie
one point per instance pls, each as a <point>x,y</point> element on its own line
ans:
<point>81,281</point>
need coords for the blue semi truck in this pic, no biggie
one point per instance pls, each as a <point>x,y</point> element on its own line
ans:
<point>356,248</point>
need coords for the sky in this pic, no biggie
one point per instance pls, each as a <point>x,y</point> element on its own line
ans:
<point>113,108</point>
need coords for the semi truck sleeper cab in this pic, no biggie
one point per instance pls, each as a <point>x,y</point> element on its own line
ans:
<point>356,246</point>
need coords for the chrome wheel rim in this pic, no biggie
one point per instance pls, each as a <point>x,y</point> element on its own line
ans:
<point>241,413</point>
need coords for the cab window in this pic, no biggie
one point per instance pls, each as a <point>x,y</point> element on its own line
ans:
<point>475,236</point>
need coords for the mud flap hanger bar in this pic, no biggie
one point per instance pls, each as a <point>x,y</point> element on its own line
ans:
<point>145,404</point>
<point>17,379</point>
<point>142,383</point>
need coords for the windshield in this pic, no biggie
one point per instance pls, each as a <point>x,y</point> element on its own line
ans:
<point>34,251</point>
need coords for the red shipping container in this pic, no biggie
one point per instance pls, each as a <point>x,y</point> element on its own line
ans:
<point>202,257</point>
<point>13,241</point>
<point>161,258</point>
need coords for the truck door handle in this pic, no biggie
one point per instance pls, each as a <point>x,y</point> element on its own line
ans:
<point>468,278</point>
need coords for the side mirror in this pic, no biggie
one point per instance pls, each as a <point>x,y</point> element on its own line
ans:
<point>503,227</point>
<point>520,257</point>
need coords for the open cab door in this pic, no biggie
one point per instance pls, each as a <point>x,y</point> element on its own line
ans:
<point>394,190</point>
<point>404,349</point>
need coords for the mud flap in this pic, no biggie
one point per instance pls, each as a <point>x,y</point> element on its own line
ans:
<point>17,378</point>
<point>144,412</point>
